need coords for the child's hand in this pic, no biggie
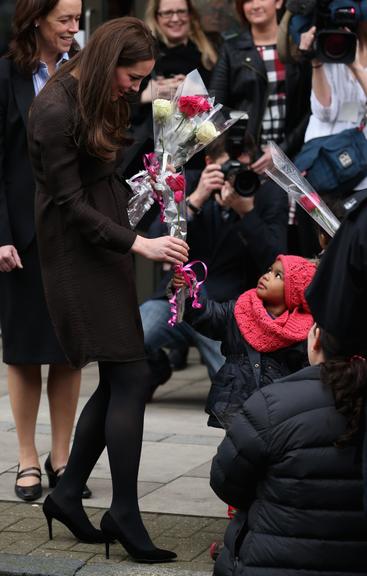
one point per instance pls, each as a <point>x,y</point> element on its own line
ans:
<point>178,280</point>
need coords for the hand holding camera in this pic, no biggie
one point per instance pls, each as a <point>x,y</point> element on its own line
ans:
<point>230,199</point>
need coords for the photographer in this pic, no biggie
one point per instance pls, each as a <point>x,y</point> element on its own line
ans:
<point>237,237</point>
<point>339,90</point>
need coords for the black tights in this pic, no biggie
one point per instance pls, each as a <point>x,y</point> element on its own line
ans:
<point>113,416</point>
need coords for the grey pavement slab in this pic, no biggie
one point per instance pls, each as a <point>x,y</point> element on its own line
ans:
<point>133,570</point>
<point>13,565</point>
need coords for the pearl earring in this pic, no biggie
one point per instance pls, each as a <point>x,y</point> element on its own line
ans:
<point>36,25</point>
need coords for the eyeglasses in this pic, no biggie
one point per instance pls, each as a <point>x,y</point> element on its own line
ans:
<point>169,14</point>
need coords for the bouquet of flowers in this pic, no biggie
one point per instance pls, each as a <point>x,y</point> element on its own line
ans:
<point>291,180</point>
<point>184,123</point>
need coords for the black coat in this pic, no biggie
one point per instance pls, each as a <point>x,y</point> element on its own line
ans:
<point>240,82</point>
<point>337,294</point>
<point>245,369</point>
<point>300,497</point>
<point>16,179</point>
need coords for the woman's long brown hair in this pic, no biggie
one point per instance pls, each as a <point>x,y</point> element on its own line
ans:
<point>346,374</point>
<point>24,47</point>
<point>120,42</point>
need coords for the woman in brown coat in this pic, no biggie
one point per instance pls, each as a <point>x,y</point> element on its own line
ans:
<point>76,132</point>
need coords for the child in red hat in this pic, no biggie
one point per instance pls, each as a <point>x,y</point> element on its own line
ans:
<point>263,334</point>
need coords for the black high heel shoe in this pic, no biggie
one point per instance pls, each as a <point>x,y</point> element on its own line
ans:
<point>54,476</point>
<point>28,493</point>
<point>112,531</point>
<point>87,534</point>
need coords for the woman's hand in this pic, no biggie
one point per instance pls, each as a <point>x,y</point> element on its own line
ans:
<point>264,162</point>
<point>163,249</point>
<point>307,40</point>
<point>9,258</point>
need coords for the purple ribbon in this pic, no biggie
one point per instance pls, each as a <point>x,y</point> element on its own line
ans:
<point>193,285</point>
<point>151,165</point>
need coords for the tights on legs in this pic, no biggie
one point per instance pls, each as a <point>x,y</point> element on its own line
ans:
<point>113,416</point>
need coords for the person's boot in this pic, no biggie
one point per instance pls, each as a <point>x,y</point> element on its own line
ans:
<point>160,368</point>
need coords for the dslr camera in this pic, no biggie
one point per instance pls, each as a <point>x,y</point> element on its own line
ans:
<point>244,181</point>
<point>336,22</point>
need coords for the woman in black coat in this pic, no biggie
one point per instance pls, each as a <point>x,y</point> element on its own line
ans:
<point>250,77</point>
<point>43,39</point>
<point>291,464</point>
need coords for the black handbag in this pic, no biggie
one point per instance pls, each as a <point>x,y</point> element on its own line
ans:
<point>335,163</point>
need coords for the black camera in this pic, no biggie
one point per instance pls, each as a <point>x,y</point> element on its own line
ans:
<point>243,179</point>
<point>336,23</point>
<point>333,42</point>
<point>238,142</point>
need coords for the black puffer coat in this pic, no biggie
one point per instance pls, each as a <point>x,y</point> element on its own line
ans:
<point>244,369</point>
<point>300,497</point>
<point>239,81</point>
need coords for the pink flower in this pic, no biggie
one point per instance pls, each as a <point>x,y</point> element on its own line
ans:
<point>179,195</point>
<point>309,204</point>
<point>193,105</point>
<point>177,184</point>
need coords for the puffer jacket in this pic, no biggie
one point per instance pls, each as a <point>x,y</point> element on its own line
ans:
<point>245,369</point>
<point>239,81</point>
<point>299,497</point>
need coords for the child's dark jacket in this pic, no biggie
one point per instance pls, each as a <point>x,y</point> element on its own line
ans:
<point>238,378</point>
<point>299,497</point>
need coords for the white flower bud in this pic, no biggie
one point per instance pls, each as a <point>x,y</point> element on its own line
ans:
<point>206,133</point>
<point>162,109</point>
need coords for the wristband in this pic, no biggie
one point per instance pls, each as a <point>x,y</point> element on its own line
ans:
<point>193,208</point>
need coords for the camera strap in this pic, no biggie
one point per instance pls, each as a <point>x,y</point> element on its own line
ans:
<point>363,123</point>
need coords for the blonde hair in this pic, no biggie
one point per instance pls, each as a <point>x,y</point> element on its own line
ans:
<point>196,34</point>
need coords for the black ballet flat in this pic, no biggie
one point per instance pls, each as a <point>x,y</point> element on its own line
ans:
<point>87,534</point>
<point>112,532</point>
<point>54,476</point>
<point>29,493</point>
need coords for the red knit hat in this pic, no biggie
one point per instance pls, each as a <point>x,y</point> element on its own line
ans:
<point>298,273</point>
<point>267,334</point>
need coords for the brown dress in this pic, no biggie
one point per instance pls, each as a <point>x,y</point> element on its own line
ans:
<point>84,237</point>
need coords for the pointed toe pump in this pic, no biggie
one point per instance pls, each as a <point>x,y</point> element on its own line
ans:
<point>112,532</point>
<point>84,533</point>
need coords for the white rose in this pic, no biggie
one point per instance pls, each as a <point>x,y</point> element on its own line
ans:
<point>206,133</point>
<point>162,109</point>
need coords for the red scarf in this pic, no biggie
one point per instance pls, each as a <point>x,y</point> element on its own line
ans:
<point>267,334</point>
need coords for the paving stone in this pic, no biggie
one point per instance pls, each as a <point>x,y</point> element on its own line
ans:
<point>24,545</point>
<point>11,565</point>
<point>67,554</point>
<point>186,549</point>
<point>187,526</point>
<point>101,559</point>
<point>7,538</point>
<point>26,525</point>
<point>218,526</point>
<point>126,569</point>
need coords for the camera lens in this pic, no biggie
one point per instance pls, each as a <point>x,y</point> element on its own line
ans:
<point>336,46</point>
<point>246,183</point>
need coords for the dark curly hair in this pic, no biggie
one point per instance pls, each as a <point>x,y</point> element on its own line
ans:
<point>346,374</point>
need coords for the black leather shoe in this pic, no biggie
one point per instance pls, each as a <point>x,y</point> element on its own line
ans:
<point>29,493</point>
<point>54,476</point>
<point>112,531</point>
<point>83,532</point>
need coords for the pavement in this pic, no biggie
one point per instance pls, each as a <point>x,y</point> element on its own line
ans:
<point>179,508</point>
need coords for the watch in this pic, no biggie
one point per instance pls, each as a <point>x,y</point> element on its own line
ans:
<point>193,208</point>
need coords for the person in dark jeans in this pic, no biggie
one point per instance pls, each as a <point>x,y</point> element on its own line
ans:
<point>236,237</point>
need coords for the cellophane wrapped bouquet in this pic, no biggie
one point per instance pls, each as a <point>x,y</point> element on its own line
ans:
<point>284,173</point>
<point>184,123</point>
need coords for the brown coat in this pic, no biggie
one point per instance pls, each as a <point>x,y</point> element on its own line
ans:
<point>84,237</point>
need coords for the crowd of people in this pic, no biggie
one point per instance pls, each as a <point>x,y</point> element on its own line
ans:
<point>281,323</point>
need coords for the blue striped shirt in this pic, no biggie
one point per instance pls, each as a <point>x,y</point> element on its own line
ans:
<point>41,76</point>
